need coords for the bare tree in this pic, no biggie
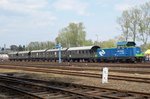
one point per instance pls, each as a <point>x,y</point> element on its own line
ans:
<point>134,22</point>
<point>124,22</point>
<point>144,23</point>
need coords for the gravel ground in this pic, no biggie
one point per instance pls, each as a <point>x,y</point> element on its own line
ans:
<point>115,84</point>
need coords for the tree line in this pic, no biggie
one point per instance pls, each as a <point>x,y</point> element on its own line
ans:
<point>134,24</point>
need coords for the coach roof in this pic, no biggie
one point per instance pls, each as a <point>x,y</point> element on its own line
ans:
<point>38,51</point>
<point>13,53</point>
<point>84,48</point>
<point>50,50</point>
<point>22,52</point>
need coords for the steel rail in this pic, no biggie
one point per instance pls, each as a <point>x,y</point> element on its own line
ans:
<point>26,93</point>
<point>75,73</point>
<point>111,93</point>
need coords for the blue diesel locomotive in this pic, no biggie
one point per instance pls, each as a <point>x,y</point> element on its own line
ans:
<point>125,52</point>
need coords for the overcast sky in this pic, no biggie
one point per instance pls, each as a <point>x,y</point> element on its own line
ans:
<point>23,21</point>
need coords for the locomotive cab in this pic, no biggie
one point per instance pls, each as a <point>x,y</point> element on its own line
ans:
<point>125,44</point>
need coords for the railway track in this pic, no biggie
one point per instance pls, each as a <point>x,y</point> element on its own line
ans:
<point>132,70</point>
<point>78,73</point>
<point>16,91</point>
<point>125,65</point>
<point>40,89</point>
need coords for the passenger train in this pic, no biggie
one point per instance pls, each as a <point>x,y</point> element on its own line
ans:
<point>124,52</point>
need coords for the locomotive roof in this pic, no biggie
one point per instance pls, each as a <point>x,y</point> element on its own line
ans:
<point>84,48</point>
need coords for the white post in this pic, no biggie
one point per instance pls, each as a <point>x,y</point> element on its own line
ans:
<point>105,75</point>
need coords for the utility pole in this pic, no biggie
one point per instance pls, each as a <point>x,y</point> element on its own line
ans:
<point>97,38</point>
<point>59,53</point>
<point>59,47</point>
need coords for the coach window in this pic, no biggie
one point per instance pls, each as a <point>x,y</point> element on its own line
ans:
<point>37,54</point>
<point>89,51</point>
<point>83,52</point>
<point>80,52</point>
<point>86,51</point>
<point>70,52</point>
<point>77,52</point>
<point>73,52</point>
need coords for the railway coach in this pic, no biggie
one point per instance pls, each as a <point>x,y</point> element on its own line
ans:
<point>19,56</point>
<point>13,56</point>
<point>78,54</point>
<point>124,52</point>
<point>53,54</point>
<point>82,54</point>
